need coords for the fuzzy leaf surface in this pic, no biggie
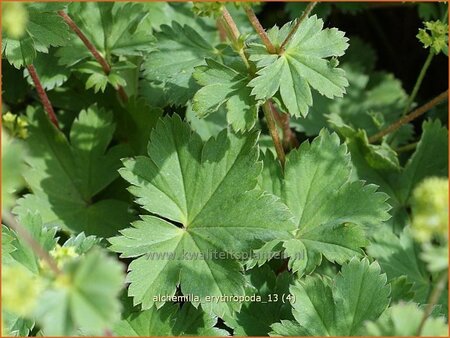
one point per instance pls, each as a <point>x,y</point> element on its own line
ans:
<point>224,86</point>
<point>331,210</point>
<point>302,66</point>
<point>339,307</point>
<point>204,200</point>
<point>65,176</point>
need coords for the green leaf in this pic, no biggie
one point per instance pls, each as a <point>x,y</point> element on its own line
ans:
<point>170,320</point>
<point>23,253</point>
<point>399,256</point>
<point>339,307</point>
<point>13,167</point>
<point>255,317</point>
<point>44,28</point>
<point>223,86</point>
<point>66,176</point>
<point>208,126</point>
<point>135,122</point>
<point>331,210</point>
<point>84,298</point>
<point>427,160</point>
<point>404,320</point>
<point>51,74</point>
<point>113,28</point>
<point>207,190</point>
<point>302,65</point>
<point>375,165</point>
<point>179,49</point>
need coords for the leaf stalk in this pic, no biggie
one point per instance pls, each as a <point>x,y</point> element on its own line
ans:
<point>43,95</point>
<point>268,114</point>
<point>260,30</point>
<point>411,116</point>
<point>294,29</point>
<point>418,83</point>
<point>34,245</point>
<point>95,53</point>
<point>434,297</point>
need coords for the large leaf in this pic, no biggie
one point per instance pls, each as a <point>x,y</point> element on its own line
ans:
<point>331,210</point>
<point>170,320</point>
<point>204,202</point>
<point>256,315</point>
<point>301,66</point>
<point>65,177</point>
<point>339,307</point>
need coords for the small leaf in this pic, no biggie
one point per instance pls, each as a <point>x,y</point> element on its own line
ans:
<point>301,66</point>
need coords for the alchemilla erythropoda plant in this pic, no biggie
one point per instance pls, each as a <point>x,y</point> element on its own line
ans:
<point>220,169</point>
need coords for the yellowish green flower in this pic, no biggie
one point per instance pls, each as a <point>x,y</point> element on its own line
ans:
<point>430,210</point>
<point>20,290</point>
<point>434,36</point>
<point>15,124</point>
<point>14,19</point>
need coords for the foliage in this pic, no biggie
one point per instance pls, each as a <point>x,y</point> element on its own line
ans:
<point>159,200</point>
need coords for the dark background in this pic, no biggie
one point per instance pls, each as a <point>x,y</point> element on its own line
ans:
<point>391,29</point>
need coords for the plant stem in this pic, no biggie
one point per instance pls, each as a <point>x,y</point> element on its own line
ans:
<point>260,30</point>
<point>294,29</point>
<point>232,30</point>
<point>407,147</point>
<point>95,53</point>
<point>418,83</point>
<point>43,95</point>
<point>233,34</point>
<point>289,139</point>
<point>34,245</point>
<point>434,297</point>
<point>268,114</point>
<point>221,29</point>
<point>411,116</point>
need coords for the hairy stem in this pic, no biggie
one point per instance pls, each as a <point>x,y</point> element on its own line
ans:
<point>34,245</point>
<point>289,139</point>
<point>294,29</point>
<point>43,95</point>
<point>95,53</point>
<point>260,30</point>
<point>233,34</point>
<point>432,301</point>
<point>232,30</point>
<point>407,147</point>
<point>221,29</point>
<point>411,116</point>
<point>418,83</point>
<point>268,114</point>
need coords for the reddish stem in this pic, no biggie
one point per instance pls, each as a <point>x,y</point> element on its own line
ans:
<point>260,30</point>
<point>305,14</point>
<point>289,138</point>
<point>95,53</point>
<point>411,116</point>
<point>43,95</point>
<point>9,219</point>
